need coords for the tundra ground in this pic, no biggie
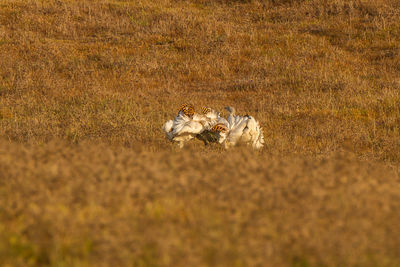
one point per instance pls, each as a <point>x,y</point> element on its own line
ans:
<point>88,179</point>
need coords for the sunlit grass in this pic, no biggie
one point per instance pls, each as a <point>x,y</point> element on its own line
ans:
<point>88,178</point>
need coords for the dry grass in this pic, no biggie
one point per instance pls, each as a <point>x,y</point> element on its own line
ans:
<point>71,205</point>
<point>88,178</point>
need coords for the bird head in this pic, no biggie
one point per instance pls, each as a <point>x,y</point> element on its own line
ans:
<point>205,110</point>
<point>222,131</point>
<point>187,109</point>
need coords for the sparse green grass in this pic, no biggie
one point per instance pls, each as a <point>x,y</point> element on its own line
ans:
<point>88,178</point>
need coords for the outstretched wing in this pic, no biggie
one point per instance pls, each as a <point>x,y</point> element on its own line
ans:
<point>236,129</point>
<point>185,125</point>
<point>191,127</point>
<point>248,131</point>
<point>256,133</point>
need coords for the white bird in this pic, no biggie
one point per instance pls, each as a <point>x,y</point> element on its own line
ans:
<point>214,116</point>
<point>210,135</point>
<point>186,125</point>
<point>241,129</point>
<point>210,127</point>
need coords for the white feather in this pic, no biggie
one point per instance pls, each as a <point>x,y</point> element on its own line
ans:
<point>184,128</point>
<point>243,129</point>
<point>213,118</point>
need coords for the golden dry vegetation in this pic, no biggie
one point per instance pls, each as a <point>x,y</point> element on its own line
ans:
<point>87,178</point>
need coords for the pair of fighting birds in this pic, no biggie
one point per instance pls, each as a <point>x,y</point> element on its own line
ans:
<point>210,127</point>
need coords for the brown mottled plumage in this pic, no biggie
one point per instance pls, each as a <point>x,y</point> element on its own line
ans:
<point>205,110</point>
<point>187,109</point>
<point>220,127</point>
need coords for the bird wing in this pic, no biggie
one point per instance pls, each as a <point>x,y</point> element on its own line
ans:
<point>167,128</point>
<point>223,121</point>
<point>231,120</point>
<point>236,130</point>
<point>205,121</point>
<point>199,117</point>
<point>212,115</point>
<point>179,122</point>
<point>234,121</point>
<point>191,127</point>
<point>252,133</point>
<point>259,142</point>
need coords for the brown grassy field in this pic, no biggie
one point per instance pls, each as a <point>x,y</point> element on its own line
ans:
<point>87,177</point>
